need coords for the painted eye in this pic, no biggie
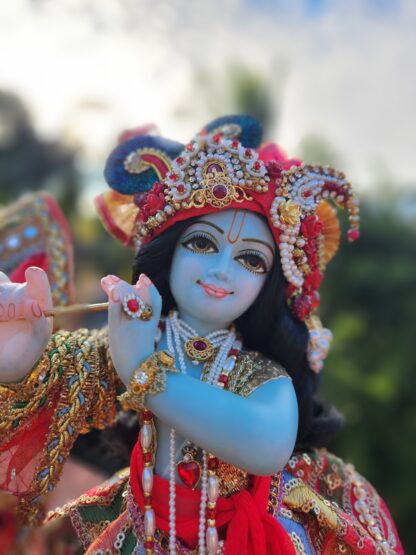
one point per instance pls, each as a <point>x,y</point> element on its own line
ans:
<point>200,244</point>
<point>253,262</point>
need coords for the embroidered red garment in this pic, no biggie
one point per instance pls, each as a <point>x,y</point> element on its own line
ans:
<point>19,457</point>
<point>250,529</point>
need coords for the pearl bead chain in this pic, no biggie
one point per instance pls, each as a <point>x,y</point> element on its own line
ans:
<point>203,505</point>
<point>172,493</point>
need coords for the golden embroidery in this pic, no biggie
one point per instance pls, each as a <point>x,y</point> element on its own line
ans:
<point>72,366</point>
<point>231,479</point>
<point>252,371</point>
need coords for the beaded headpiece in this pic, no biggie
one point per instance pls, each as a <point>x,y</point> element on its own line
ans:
<point>156,183</point>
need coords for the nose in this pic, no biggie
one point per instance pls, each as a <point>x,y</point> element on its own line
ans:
<point>219,274</point>
<point>220,269</point>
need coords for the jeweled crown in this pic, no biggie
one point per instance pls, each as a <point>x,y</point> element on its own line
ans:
<point>212,170</point>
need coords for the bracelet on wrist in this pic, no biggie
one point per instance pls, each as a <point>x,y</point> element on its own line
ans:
<point>148,378</point>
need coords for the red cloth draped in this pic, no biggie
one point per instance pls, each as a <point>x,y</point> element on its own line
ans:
<point>251,530</point>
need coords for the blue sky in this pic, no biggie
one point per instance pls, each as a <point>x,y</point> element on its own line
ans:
<point>312,8</point>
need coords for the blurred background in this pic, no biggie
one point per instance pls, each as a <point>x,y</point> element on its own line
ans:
<point>332,82</point>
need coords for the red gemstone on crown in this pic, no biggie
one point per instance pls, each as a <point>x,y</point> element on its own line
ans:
<point>189,147</point>
<point>133,305</point>
<point>248,153</point>
<point>219,191</point>
<point>173,176</point>
<point>180,160</point>
<point>256,166</point>
<point>235,144</point>
<point>180,188</point>
<point>200,345</point>
<point>217,138</point>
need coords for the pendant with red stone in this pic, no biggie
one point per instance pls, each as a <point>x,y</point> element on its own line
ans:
<point>199,349</point>
<point>189,469</point>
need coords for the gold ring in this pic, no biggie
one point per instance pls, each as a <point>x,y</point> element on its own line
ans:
<point>147,313</point>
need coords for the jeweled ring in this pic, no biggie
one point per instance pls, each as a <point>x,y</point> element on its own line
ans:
<point>135,307</point>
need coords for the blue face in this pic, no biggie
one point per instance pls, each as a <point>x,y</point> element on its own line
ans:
<point>219,267</point>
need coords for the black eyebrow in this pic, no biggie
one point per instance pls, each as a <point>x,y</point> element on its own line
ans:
<point>211,224</point>
<point>260,241</point>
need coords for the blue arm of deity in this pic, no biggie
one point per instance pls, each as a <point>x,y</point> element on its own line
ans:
<point>256,433</point>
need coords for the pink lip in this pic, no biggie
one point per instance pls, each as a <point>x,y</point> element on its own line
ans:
<point>213,291</point>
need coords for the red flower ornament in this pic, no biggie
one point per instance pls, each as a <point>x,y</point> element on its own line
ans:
<point>310,250</point>
<point>152,202</point>
<point>302,306</point>
<point>291,290</point>
<point>313,280</point>
<point>274,169</point>
<point>311,227</point>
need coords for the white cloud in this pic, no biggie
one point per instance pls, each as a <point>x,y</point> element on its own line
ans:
<point>351,74</point>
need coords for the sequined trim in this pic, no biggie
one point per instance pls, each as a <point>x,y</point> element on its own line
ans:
<point>297,544</point>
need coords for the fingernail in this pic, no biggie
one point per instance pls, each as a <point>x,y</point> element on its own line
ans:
<point>11,311</point>
<point>115,296</point>
<point>114,279</point>
<point>36,310</point>
<point>147,281</point>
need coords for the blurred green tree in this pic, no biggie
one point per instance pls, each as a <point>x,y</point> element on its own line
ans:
<point>29,163</point>
<point>238,89</point>
<point>369,302</point>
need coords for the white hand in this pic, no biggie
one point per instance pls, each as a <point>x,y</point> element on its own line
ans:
<point>24,330</point>
<point>131,339</point>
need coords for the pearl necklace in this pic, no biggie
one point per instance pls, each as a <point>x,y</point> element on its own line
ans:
<point>226,340</point>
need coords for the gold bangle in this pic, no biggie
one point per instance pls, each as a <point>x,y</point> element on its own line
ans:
<point>149,378</point>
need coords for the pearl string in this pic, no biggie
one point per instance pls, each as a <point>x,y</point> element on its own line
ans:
<point>203,505</point>
<point>216,368</point>
<point>187,332</point>
<point>172,494</point>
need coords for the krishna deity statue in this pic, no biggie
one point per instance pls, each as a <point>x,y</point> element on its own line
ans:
<point>215,347</point>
